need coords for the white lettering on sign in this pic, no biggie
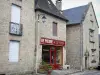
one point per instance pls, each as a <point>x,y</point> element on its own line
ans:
<point>48,41</point>
<point>42,40</point>
<point>52,42</point>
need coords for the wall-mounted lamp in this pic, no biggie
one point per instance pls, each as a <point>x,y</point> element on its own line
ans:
<point>43,17</point>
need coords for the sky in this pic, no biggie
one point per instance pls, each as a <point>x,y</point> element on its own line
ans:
<point>66,4</point>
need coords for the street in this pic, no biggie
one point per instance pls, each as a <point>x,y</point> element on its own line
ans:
<point>93,72</point>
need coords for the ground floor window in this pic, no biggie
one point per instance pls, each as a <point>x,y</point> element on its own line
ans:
<point>46,54</point>
<point>52,54</point>
<point>13,51</point>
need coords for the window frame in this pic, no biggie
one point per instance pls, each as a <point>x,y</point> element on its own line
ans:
<point>55,28</point>
<point>18,51</point>
<point>20,29</point>
<point>20,12</point>
<point>91,35</point>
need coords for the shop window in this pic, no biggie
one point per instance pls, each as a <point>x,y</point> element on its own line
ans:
<point>54,29</point>
<point>59,55</point>
<point>52,55</point>
<point>46,54</point>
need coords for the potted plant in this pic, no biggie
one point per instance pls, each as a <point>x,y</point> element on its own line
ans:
<point>44,68</point>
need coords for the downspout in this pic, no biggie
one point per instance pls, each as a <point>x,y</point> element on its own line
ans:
<point>81,47</point>
<point>36,41</point>
<point>81,41</point>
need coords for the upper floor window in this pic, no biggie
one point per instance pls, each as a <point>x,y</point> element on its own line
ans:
<point>54,29</point>
<point>15,26</point>
<point>91,35</point>
<point>15,13</point>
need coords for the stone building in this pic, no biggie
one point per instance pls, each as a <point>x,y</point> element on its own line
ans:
<point>50,33</point>
<point>82,37</point>
<point>17,30</point>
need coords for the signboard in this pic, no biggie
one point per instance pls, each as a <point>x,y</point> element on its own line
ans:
<point>54,42</point>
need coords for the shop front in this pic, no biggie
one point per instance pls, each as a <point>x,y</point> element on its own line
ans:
<point>52,52</point>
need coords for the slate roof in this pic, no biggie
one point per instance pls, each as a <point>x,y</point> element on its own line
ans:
<point>75,15</point>
<point>48,7</point>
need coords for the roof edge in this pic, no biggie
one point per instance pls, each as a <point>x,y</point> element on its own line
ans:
<point>94,13</point>
<point>74,24</point>
<point>90,3</point>
<point>38,9</point>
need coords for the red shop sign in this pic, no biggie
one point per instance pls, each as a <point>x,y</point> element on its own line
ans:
<point>47,41</point>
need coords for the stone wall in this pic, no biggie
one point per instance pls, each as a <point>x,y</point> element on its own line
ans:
<point>87,45</point>
<point>27,40</point>
<point>45,30</point>
<point>73,46</point>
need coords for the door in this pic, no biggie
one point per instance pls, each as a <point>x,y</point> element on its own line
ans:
<point>85,62</point>
<point>52,56</point>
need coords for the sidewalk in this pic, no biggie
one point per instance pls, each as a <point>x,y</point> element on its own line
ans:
<point>64,72</point>
<point>88,72</point>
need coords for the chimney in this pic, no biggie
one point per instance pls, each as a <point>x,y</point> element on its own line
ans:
<point>59,5</point>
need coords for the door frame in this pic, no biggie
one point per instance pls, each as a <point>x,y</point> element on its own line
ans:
<point>52,51</point>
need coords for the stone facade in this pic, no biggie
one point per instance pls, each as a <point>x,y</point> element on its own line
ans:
<point>73,46</point>
<point>78,42</point>
<point>87,45</point>
<point>46,31</point>
<point>27,44</point>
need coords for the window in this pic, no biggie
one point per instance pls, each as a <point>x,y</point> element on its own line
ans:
<point>13,51</point>
<point>54,29</point>
<point>93,61</point>
<point>15,26</point>
<point>93,50</point>
<point>91,35</point>
<point>15,13</point>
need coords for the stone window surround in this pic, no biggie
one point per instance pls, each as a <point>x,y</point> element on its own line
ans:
<point>55,28</point>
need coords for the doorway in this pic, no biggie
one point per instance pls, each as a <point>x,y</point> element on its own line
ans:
<point>85,62</point>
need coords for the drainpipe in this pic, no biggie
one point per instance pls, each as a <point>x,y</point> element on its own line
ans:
<point>36,43</point>
<point>37,34</point>
<point>81,47</point>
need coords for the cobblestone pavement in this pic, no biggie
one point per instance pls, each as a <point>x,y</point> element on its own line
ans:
<point>92,72</point>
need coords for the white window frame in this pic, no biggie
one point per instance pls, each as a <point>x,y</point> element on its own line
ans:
<point>14,51</point>
<point>15,13</point>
